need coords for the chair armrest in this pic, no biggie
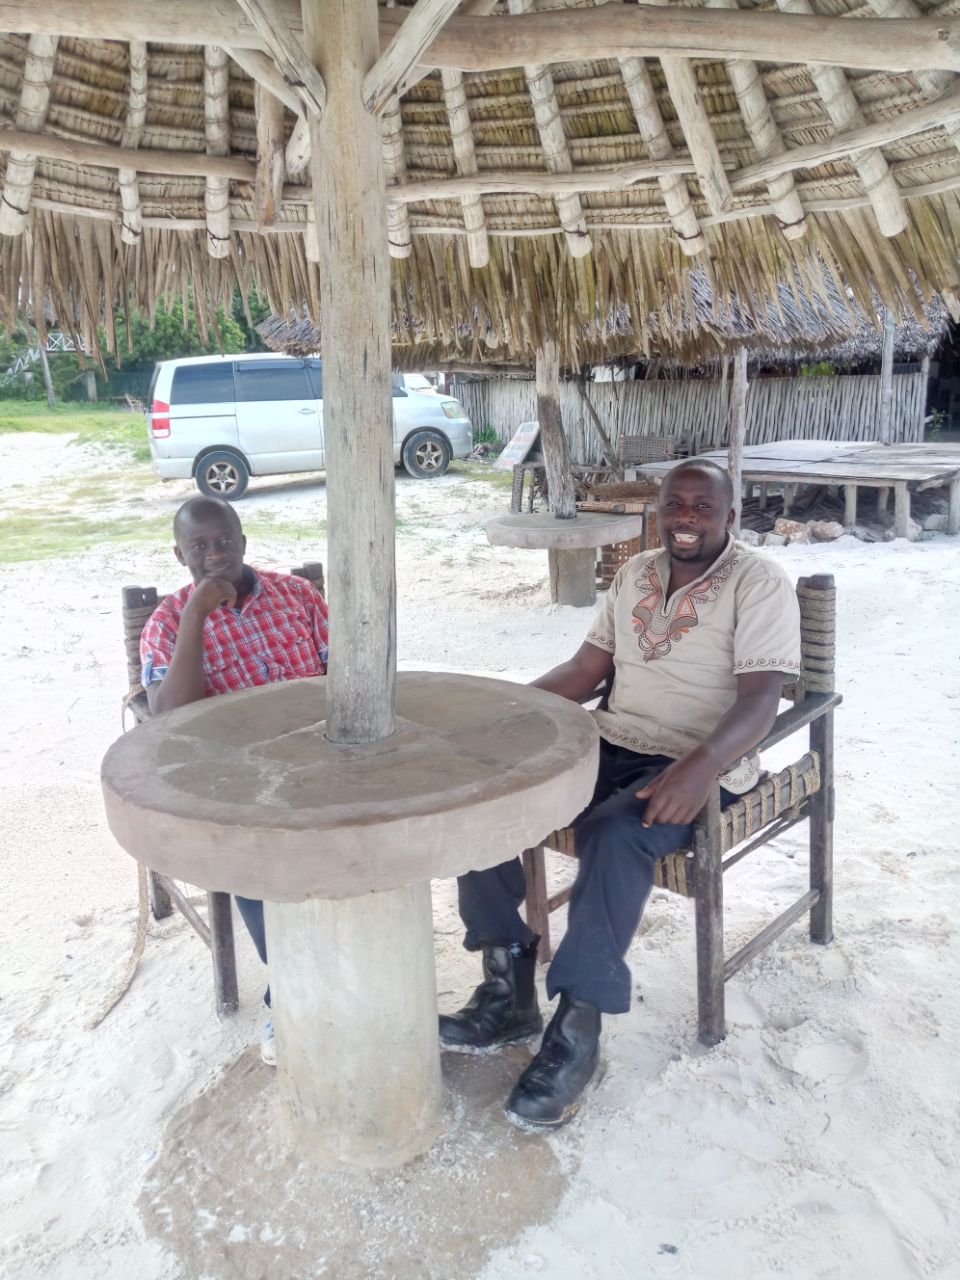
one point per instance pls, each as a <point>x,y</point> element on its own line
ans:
<point>813,706</point>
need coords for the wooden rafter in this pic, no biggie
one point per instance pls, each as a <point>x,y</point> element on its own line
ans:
<point>673,186</point>
<point>287,52</point>
<point>398,221</point>
<point>132,229</point>
<point>571,35</point>
<point>842,107</point>
<point>849,141</point>
<point>390,74</point>
<point>758,120</point>
<point>31,115</point>
<point>464,152</point>
<point>685,94</point>
<point>271,164</point>
<point>933,82</point>
<point>298,148</point>
<point>216,108</point>
<point>262,69</point>
<point>556,152</point>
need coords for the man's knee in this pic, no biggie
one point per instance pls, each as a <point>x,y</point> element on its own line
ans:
<point>616,831</point>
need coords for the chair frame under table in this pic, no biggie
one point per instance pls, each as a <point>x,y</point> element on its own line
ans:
<point>722,837</point>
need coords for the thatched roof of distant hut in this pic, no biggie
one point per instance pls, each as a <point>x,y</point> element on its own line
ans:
<point>788,327</point>
<point>646,149</point>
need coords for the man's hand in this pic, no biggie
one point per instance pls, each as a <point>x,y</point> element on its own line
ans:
<point>210,594</point>
<point>680,792</point>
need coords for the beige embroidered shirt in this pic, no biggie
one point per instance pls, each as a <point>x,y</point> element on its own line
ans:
<point>676,660</point>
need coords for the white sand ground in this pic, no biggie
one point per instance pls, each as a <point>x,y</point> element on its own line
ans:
<point>819,1140</point>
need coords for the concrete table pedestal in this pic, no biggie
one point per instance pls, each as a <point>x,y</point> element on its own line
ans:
<point>571,546</point>
<point>244,794</point>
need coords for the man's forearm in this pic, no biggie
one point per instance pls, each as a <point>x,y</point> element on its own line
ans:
<point>568,680</point>
<point>183,682</point>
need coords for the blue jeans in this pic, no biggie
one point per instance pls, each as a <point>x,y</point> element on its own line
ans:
<point>616,857</point>
<point>251,909</point>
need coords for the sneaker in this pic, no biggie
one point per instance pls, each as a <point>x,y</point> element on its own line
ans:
<point>268,1045</point>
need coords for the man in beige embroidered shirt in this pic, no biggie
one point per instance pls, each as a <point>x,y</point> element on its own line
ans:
<point>697,638</point>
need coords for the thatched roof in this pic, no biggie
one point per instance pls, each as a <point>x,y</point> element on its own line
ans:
<point>787,327</point>
<point>549,198</point>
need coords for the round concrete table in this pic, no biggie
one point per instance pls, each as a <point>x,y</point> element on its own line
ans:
<point>571,544</point>
<point>243,793</point>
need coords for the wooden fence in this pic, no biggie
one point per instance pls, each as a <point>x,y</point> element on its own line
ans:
<point>698,412</point>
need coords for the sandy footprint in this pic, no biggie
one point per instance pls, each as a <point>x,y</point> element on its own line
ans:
<point>829,1061</point>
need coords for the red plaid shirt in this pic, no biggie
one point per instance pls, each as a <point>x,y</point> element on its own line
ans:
<point>279,634</point>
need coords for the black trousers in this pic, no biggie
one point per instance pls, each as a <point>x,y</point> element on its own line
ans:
<point>616,856</point>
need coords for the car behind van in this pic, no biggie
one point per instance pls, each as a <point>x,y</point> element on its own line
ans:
<point>223,419</point>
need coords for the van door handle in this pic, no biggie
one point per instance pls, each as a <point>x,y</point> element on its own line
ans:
<point>306,410</point>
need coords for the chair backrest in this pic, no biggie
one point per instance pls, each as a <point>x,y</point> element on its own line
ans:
<point>817,597</point>
<point>138,603</point>
<point>635,449</point>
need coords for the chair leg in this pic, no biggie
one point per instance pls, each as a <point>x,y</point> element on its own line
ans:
<point>535,905</point>
<point>222,951</point>
<point>709,916</point>
<point>821,832</point>
<point>160,904</point>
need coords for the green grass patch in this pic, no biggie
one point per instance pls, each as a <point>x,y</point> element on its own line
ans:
<point>27,534</point>
<point>486,473</point>
<point>17,416</point>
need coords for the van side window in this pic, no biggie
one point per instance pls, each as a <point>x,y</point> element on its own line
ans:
<point>277,382</point>
<point>202,384</point>
<point>316,381</point>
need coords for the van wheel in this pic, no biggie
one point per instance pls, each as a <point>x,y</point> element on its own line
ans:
<point>426,455</point>
<point>222,475</point>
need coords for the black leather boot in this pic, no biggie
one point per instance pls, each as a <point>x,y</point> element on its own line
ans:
<point>550,1091</point>
<point>502,1010</point>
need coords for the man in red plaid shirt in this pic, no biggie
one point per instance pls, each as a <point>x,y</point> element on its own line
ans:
<point>234,627</point>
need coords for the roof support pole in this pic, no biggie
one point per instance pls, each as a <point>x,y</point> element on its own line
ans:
<point>349,189</point>
<point>886,378</point>
<point>738,432</point>
<point>556,451</point>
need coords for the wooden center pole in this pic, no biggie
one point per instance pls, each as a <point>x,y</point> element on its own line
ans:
<point>349,193</point>
<point>738,432</point>
<point>556,452</point>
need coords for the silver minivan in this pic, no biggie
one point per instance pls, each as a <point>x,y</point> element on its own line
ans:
<point>223,419</point>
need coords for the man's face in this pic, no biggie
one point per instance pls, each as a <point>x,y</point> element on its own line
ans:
<point>694,515</point>
<point>212,546</point>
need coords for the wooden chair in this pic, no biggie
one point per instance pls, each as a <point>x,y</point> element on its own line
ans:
<point>632,451</point>
<point>217,930</point>
<point>804,791</point>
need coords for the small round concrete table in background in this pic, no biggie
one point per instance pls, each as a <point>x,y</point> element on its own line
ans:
<point>244,794</point>
<point>571,544</point>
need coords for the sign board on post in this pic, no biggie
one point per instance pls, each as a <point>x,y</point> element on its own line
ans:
<point>516,451</point>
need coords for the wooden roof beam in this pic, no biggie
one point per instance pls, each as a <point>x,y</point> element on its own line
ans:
<point>468,43</point>
<point>765,135</point>
<point>932,82</point>
<point>132,229</point>
<point>399,239</point>
<point>287,52</point>
<point>685,93</point>
<point>216,109</point>
<point>262,69</point>
<point>389,75</point>
<point>843,109</point>
<point>271,162</point>
<point>673,186</point>
<point>464,152</point>
<point>556,152</point>
<point>813,154</point>
<point>31,115</point>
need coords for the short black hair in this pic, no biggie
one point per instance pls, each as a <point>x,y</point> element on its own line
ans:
<point>198,508</point>
<point>703,465</point>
